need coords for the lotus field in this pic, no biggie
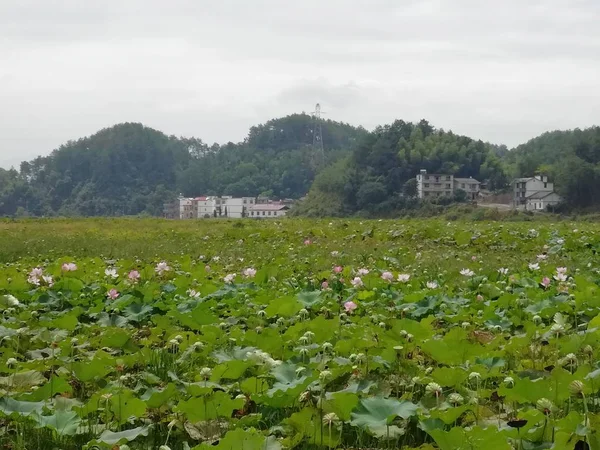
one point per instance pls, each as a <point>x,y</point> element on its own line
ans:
<point>299,335</point>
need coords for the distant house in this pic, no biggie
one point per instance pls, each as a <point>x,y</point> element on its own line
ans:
<point>534,193</point>
<point>540,201</point>
<point>469,185</point>
<point>267,210</point>
<point>224,206</point>
<point>436,185</point>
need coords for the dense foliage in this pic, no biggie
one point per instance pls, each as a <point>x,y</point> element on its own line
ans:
<point>572,160</point>
<point>299,335</point>
<point>378,177</point>
<point>131,169</point>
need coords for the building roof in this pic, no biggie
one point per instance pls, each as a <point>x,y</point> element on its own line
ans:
<point>200,199</point>
<point>268,207</point>
<point>540,195</point>
<point>467,180</point>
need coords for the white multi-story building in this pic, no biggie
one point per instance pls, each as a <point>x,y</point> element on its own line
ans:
<point>268,210</point>
<point>431,185</point>
<point>534,193</point>
<point>224,206</point>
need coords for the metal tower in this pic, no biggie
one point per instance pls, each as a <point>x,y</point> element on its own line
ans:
<point>318,153</point>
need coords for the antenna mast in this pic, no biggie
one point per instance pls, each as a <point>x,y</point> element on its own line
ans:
<point>318,156</point>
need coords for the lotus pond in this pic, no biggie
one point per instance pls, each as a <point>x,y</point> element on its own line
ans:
<point>299,335</point>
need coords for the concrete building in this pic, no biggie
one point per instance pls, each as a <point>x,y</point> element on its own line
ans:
<point>469,185</point>
<point>434,185</point>
<point>182,208</point>
<point>268,210</point>
<point>531,193</point>
<point>437,185</point>
<point>207,207</point>
<point>540,201</point>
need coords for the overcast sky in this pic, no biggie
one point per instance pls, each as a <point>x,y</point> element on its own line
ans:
<point>502,71</point>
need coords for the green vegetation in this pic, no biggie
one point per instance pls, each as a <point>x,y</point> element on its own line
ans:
<point>130,169</point>
<point>378,178</point>
<point>571,158</point>
<point>299,334</point>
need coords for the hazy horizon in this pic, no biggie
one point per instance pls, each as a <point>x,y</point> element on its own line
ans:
<point>502,73</point>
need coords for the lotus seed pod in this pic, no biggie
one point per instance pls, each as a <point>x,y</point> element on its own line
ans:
<point>474,376</point>
<point>330,418</point>
<point>205,372</point>
<point>455,399</point>
<point>11,363</point>
<point>588,350</point>
<point>325,375</point>
<point>509,381</point>
<point>164,447</point>
<point>576,387</point>
<point>545,405</point>
<point>433,389</point>
<point>179,338</point>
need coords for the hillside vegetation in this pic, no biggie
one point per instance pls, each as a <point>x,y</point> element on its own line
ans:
<point>130,169</point>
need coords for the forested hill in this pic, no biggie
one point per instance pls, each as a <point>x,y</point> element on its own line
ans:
<point>131,169</point>
<point>378,177</point>
<point>571,159</point>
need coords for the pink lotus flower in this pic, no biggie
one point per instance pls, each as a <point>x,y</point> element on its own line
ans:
<point>207,268</point>
<point>473,258</point>
<point>403,278</point>
<point>249,272</point>
<point>338,269</point>
<point>387,276</point>
<point>35,276</point>
<point>69,267</point>
<point>357,282</point>
<point>229,278</point>
<point>350,306</point>
<point>48,280</point>
<point>324,285</point>
<point>545,282</point>
<point>562,270</point>
<point>307,242</point>
<point>362,272</point>
<point>161,268</point>
<point>133,276</point>
<point>112,294</point>
<point>479,297</point>
<point>560,277</point>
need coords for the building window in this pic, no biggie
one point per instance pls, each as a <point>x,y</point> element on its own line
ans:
<point>426,185</point>
<point>263,213</point>
<point>269,213</point>
<point>473,186</point>
<point>244,201</point>
<point>545,185</point>
<point>447,177</point>
<point>447,185</point>
<point>427,177</point>
<point>462,185</point>
<point>274,213</point>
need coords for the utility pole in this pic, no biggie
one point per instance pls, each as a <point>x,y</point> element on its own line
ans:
<point>318,153</point>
